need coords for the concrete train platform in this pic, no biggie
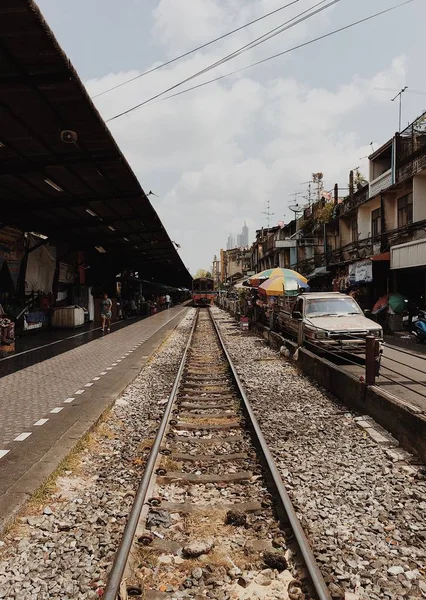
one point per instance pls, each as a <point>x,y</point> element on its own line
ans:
<point>36,347</point>
<point>46,407</point>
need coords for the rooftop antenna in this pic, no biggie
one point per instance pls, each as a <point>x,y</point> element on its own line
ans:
<point>309,196</point>
<point>296,209</point>
<point>372,151</point>
<point>399,94</point>
<point>268,213</point>
<point>295,195</point>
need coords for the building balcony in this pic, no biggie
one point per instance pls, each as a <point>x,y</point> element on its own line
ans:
<point>350,204</point>
<point>286,244</point>
<point>272,246</point>
<point>381,182</point>
<point>413,166</point>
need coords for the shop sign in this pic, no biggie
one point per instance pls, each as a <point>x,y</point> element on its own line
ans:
<point>361,272</point>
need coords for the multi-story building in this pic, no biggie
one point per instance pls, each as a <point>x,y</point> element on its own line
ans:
<point>231,243</point>
<point>235,264</point>
<point>374,239</point>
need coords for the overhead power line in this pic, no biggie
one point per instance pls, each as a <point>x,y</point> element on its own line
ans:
<point>218,39</point>
<point>259,62</point>
<point>261,39</point>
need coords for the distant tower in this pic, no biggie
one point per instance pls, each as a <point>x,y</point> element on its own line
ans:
<point>245,236</point>
<point>230,243</point>
<point>239,241</point>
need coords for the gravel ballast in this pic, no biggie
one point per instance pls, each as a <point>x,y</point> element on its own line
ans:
<point>61,548</point>
<point>362,507</point>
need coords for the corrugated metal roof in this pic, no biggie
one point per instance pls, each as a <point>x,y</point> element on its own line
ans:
<point>83,194</point>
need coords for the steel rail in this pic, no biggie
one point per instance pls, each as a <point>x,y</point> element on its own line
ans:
<point>123,552</point>
<point>302,541</point>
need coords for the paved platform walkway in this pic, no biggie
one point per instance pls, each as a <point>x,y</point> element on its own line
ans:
<point>38,346</point>
<point>47,407</point>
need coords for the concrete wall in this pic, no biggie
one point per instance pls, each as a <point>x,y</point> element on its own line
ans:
<point>419,197</point>
<point>364,218</point>
<point>345,232</point>
<point>391,212</point>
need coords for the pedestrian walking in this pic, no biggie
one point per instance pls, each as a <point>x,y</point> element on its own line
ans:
<point>106,313</point>
<point>168,301</point>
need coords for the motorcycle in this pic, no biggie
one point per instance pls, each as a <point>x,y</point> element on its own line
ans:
<point>419,328</point>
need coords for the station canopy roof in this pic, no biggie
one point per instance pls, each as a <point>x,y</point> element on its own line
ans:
<point>80,192</point>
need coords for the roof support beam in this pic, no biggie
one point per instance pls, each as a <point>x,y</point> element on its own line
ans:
<point>64,202</point>
<point>18,166</point>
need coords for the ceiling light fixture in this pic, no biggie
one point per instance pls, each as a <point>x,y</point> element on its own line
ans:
<point>54,185</point>
<point>100,249</point>
<point>112,228</point>
<point>93,214</point>
<point>126,239</point>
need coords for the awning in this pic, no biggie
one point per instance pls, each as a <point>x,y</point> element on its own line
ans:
<point>409,255</point>
<point>318,272</point>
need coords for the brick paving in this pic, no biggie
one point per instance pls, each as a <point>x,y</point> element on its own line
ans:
<point>30,394</point>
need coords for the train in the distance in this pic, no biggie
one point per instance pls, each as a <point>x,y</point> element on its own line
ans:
<point>203,293</point>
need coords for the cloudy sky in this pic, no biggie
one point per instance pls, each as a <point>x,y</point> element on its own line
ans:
<point>217,154</point>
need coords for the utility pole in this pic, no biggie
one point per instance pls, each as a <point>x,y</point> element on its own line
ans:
<point>268,213</point>
<point>399,94</point>
<point>297,210</point>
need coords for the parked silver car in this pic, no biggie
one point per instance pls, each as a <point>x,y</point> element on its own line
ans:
<point>328,319</point>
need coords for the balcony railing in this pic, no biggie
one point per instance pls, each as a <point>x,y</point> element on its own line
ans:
<point>373,245</point>
<point>350,204</point>
<point>414,166</point>
<point>381,183</point>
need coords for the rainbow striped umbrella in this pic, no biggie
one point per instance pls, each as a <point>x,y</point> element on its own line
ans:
<point>256,280</point>
<point>278,286</point>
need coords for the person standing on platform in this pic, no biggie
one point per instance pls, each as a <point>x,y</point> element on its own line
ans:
<point>168,301</point>
<point>106,312</point>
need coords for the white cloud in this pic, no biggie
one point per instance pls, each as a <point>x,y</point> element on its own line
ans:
<point>216,155</point>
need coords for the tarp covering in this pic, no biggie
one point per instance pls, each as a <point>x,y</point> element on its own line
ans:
<point>41,267</point>
<point>318,272</point>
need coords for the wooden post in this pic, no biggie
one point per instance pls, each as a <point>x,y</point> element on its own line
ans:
<point>336,194</point>
<point>300,335</point>
<point>370,359</point>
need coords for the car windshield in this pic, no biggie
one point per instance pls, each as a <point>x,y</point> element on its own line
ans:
<point>320,307</point>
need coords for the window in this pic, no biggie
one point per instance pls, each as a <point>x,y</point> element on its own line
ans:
<point>332,306</point>
<point>405,210</point>
<point>376,222</point>
<point>354,230</point>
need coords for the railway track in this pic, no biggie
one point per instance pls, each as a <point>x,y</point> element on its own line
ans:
<point>211,517</point>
